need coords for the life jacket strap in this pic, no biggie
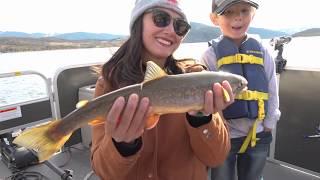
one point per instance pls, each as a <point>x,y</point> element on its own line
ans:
<point>255,96</point>
<point>251,137</point>
<point>240,59</point>
<point>252,95</point>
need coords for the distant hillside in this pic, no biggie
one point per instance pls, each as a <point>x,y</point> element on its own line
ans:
<point>65,36</point>
<point>88,36</point>
<point>199,33</point>
<point>202,33</point>
<point>21,34</point>
<point>266,33</point>
<point>308,32</point>
<point>17,44</point>
<point>11,41</point>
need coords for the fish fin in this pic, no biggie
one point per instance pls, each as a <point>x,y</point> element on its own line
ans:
<point>152,121</point>
<point>97,121</point>
<point>153,71</point>
<point>225,94</point>
<point>81,103</point>
<point>38,138</point>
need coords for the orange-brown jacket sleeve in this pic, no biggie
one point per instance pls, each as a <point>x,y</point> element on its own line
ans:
<point>106,161</point>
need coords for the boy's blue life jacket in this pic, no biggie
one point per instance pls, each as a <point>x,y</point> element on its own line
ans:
<point>247,61</point>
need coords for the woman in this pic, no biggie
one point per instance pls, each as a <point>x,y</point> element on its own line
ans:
<point>180,146</point>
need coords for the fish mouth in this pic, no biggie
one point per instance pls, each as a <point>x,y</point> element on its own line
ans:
<point>242,86</point>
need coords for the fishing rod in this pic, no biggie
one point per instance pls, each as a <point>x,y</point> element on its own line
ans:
<point>316,135</point>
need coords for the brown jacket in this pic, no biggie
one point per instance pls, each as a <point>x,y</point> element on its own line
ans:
<point>172,150</point>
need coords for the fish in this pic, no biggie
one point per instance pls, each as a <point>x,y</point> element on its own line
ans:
<point>167,94</point>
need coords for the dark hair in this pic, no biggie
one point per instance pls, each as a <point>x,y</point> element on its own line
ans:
<point>126,66</point>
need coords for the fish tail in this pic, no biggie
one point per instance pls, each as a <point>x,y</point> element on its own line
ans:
<point>39,139</point>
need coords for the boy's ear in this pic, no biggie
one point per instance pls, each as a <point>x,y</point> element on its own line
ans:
<point>214,19</point>
<point>253,16</point>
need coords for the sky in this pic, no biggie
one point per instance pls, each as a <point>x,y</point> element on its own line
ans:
<point>113,16</point>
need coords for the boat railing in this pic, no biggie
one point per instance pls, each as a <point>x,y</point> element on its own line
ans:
<point>25,100</point>
<point>57,96</point>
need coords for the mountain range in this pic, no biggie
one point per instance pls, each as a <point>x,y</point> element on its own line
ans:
<point>199,33</point>
<point>65,36</point>
<point>11,41</point>
<point>308,32</point>
<point>202,33</point>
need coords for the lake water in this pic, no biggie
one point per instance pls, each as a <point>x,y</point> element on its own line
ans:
<point>18,89</point>
<point>300,53</point>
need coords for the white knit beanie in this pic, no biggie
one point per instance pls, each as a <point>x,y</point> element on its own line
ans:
<point>142,5</point>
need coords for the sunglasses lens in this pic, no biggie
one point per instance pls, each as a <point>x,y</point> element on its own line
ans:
<point>181,27</point>
<point>161,18</point>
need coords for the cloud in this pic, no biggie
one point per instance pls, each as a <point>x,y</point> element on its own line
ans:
<point>112,16</point>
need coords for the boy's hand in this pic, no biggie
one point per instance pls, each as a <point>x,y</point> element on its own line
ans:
<point>194,68</point>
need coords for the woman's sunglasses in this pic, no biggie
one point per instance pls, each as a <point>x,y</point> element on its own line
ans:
<point>163,19</point>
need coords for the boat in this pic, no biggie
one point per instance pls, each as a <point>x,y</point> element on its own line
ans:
<point>294,153</point>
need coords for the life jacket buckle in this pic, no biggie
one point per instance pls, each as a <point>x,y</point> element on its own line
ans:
<point>239,58</point>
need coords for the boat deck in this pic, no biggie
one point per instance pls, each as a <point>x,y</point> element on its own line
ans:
<point>77,159</point>
<point>299,120</point>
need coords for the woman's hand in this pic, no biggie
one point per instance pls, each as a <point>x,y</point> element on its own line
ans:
<point>126,120</point>
<point>215,100</point>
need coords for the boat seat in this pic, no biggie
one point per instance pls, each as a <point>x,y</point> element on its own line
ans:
<point>66,84</point>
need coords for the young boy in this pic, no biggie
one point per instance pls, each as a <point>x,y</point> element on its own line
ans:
<point>255,112</point>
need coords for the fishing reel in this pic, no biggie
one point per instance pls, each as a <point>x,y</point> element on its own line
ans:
<point>15,157</point>
<point>280,41</point>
